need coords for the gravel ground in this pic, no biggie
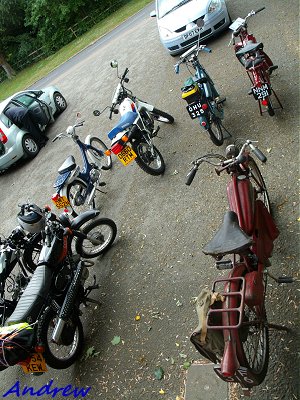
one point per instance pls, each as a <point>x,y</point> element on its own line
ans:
<point>156,266</point>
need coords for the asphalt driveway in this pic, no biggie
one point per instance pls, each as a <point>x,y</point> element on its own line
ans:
<point>156,266</point>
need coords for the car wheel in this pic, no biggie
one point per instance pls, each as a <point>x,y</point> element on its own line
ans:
<point>30,147</point>
<point>60,102</point>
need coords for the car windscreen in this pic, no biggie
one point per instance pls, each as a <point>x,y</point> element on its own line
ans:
<point>166,6</point>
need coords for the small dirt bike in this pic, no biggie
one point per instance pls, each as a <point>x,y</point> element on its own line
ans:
<point>247,234</point>
<point>19,254</point>
<point>76,188</point>
<point>257,63</point>
<point>201,95</point>
<point>45,324</point>
<point>132,136</point>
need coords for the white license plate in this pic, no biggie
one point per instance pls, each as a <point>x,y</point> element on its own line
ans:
<point>195,109</point>
<point>262,92</point>
<point>191,33</point>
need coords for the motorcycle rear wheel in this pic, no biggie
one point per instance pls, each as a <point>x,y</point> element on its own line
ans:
<point>151,164</point>
<point>75,194</point>
<point>61,356</point>
<point>103,230</point>
<point>162,116</point>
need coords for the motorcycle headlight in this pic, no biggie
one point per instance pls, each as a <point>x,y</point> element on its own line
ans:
<point>214,5</point>
<point>166,34</point>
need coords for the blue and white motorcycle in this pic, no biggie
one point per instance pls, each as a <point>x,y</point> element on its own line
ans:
<point>131,138</point>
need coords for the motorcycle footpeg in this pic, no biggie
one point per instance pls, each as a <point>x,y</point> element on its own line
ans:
<point>285,279</point>
<point>224,264</point>
<point>155,132</point>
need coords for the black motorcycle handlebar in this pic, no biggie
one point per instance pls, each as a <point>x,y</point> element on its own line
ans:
<point>259,10</point>
<point>191,175</point>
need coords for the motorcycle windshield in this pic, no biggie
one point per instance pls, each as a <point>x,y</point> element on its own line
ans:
<point>126,120</point>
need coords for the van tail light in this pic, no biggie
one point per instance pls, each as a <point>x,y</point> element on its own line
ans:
<point>3,137</point>
<point>117,148</point>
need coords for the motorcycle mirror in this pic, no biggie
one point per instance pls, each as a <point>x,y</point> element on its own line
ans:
<point>114,64</point>
<point>78,115</point>
<point>200,23</point>
<point>96,113</point>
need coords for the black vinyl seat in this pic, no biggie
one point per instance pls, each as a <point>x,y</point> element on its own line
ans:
<point>229,239</point>
<point>249,48</point>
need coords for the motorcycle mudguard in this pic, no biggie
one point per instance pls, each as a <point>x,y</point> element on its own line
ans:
<point>83,218</point>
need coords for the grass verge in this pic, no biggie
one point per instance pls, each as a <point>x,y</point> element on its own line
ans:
<point>37,71</point>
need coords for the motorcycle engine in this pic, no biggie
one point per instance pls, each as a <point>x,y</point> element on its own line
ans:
<point>63,278</point>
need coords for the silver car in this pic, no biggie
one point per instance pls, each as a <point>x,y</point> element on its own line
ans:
<point>15,142</point>
<point>176,20</point>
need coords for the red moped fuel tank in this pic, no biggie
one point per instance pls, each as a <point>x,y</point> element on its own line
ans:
<point>240,194</point>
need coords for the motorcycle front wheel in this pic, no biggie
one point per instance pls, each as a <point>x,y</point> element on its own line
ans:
<point>101,234</point>
<point>63,354</point>
<point>76,194</point>
<point>32,252</point>
<point>102,161</point>
<point>148,158</point>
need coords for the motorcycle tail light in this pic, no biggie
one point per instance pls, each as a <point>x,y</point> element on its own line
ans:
<point>39,349</point>
<point>264,102</point>
<point>203,123</point>
<point>116,148</point>
<point>55,197</point>
<point>3,137</point>
<point>204,106</point>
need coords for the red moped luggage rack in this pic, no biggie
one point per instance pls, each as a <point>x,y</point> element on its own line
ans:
<point>240,297</point>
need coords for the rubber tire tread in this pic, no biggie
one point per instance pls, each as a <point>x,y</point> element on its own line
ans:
<point>74,213</point>
<point>144,166</point>
<point>163,114</point>
<point>87,228</point>
<point>51,360</point>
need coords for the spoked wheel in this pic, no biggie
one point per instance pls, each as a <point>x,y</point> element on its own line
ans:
<point>77,196</point>
<point>102,161</point>
<point>32,252</point>
<point>215,131</point>
<point>162,116</point>
<point>270,108</point>
<point>254,341</point>
<point>259,184</point>
<point>148,158</point>
<point>63,354</point>
<point>101,234</point>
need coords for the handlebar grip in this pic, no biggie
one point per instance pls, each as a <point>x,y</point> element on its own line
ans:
<point>207,49</point>
<point>125,73</point>
<point>191,175</point>
<point>259,10</point>
<point>259,154</point>
<point>53,140</point>
<point>176,68</point>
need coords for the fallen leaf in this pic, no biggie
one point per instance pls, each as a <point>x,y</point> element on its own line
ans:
<point>116,340</point>
<point>269,149</point>
<point>161,391</point>
<point>137,317</point>
<point>159,373</point>
<point>186,365</point>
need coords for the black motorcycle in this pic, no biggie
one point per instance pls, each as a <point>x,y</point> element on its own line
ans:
<point>50,304</point>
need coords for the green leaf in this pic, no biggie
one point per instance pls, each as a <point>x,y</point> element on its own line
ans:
<point>159,373</point>
<point>186,365</point>
<point>90,351</point>
<point>116,340</point>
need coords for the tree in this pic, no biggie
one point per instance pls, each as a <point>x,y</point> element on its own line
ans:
<point>11,25</point>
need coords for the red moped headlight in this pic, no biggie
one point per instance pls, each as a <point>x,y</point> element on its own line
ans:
<point>117,148</point>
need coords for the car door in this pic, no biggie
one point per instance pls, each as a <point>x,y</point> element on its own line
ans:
<point>39,110</point>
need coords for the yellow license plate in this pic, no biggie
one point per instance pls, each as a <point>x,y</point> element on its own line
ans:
<point>37,363</point>
<point>61,202</point>
<point>126,155</point>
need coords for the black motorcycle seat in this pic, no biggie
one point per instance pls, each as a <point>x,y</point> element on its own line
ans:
<point>67,166</point>
<point>229,239</point>
<point>249,48</point>
<point>33,298</point>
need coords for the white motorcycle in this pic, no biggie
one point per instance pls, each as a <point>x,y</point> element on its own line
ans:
<point>131,138</point>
